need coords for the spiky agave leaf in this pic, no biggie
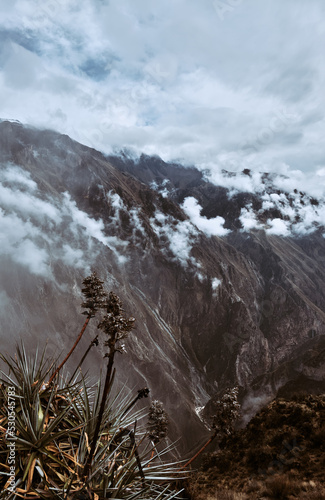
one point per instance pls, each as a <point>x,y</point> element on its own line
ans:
<point>41,416</point>
<point>26,371</point>
<point>54,425</point>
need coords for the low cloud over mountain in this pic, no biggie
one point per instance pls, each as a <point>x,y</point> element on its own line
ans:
<point>226,282</point>
<point>216,84</point>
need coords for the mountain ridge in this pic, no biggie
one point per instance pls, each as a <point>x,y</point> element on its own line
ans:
<point>212,311</point>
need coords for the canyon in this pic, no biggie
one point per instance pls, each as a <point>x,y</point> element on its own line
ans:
<point>220,296</point>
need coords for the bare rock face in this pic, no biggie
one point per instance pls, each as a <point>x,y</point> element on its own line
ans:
<point>211,311</point>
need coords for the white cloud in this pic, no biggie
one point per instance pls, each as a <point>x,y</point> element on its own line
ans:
<point>4,301</point>
<point>73,257</point>
<point>215,283</point>
<point>301,214</point>
<point>18,177</point>
<point>35,230</point>
<point>177,236</point>
<point>115,200</point>
<point>162,188</point>
<point>136,223</point>
<point>16,242</point>
<point>310,183</point>
<point>277,227</point>
<point>133,213</point>
<point>27,205</point>
<point>248,219</point>
<point>211,227</point>
<point>34,258</point>
<point>94,229</point>
<point>235,181</point>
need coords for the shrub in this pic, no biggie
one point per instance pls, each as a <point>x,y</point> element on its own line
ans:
<point>318,437</point>
<point>229,495</point>
<point>259,457</point>
<point>226,413</point>
<point>281,487</point>
<point>314,495</point>
<point>209,460</point>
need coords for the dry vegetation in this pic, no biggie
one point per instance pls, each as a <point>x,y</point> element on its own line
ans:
<point>279,455</point>
<point>65,439</point>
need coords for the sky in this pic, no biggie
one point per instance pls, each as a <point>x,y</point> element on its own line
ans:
<point>220,84</point>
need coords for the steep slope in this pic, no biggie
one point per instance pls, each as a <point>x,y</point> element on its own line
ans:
<point>211,311</point>
<point>288,272</point>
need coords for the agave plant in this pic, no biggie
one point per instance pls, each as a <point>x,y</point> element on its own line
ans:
<point>73,439</point>
<point>54,426</point>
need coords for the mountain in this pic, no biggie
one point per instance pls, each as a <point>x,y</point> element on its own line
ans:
<point>226,284</point>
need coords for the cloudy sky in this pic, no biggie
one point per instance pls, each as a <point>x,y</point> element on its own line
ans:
<point>223,84</point>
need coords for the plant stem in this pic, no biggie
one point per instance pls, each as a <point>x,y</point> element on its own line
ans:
<point>72,349</point>
<point>102,407</point>
<point>142,393</point>
<point>199,452</point>
<point>137,457</point>
<point>152,454</point>
<point>92,343</point>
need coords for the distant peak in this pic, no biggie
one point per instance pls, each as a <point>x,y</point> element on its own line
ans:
<point>10,120</point>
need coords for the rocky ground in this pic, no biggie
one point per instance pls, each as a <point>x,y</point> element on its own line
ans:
<point>279,455</point>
